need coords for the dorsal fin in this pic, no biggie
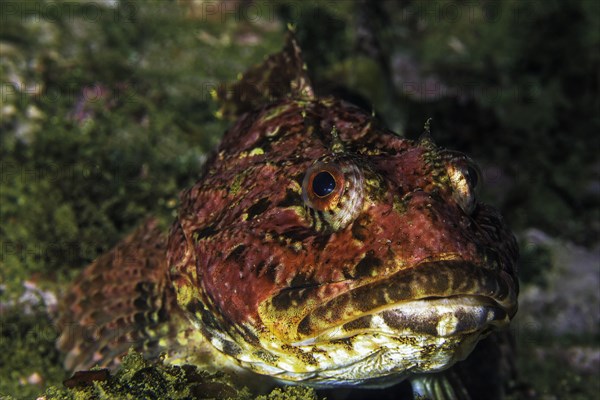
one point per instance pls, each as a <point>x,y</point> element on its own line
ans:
<point>281,75</point>
<point>123,299</point>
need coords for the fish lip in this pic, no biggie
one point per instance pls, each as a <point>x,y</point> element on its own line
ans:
<point>427,282</point>
<point>452,316</point>
<point>430,316</point>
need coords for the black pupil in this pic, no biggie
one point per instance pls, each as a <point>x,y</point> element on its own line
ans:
<point>323,184</point>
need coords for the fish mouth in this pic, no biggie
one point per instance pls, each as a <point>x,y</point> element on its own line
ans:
<point>441,317</point>
<point>437,298</point>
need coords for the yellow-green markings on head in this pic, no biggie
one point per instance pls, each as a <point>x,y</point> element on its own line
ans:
<point>236,185</point>
<point>257,151</point>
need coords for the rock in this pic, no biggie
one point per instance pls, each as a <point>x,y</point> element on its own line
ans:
<point>565,299</point>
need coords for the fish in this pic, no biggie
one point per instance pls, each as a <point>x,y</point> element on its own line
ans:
<point>317,247</point>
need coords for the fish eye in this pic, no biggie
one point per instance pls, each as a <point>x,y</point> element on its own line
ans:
<point>323,184</point>
<point>465,179</point>
<point>472,175</point>
<point>334,188</point>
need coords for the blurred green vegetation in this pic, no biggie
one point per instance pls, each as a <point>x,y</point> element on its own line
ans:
<point>29,359</point>
<point>106,112</point>
<point>104,119</point>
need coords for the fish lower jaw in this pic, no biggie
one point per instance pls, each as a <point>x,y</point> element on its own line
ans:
<point>378,349</point>
<point>370,360</point>
<point>420,336</point>
<point>413,337</point>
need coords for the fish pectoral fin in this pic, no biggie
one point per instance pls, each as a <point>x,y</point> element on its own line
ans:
<point>439,386</point>
<point>121,300</point>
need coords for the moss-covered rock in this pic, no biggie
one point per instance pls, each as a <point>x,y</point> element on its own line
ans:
<point>138,378</point>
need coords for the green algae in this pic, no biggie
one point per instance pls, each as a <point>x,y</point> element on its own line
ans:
<point>290,393</point>
<point>138,378</point>
<point>29,359</point>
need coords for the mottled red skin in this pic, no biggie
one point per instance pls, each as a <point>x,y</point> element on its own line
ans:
<point>236,280</point>
<point>265,268</point>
